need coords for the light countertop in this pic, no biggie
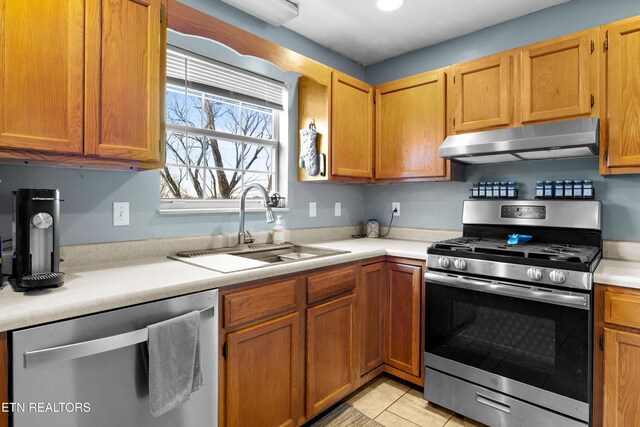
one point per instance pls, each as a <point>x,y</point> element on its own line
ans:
<point>618,273</point>
<point>100,288</point>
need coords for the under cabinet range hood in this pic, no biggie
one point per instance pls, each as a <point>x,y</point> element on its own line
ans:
<point>565,139</point>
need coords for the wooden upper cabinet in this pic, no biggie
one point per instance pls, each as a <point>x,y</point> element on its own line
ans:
<point>41,75</point>
<point>125,54</point>
<point>623,97</point>
<point>410,126</point>
<point>483,93</point>
<point>351,127</point>
<point>264,374</point>
<point>555,79</point>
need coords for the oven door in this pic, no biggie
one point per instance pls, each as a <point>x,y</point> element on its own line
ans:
<point>528,342</point>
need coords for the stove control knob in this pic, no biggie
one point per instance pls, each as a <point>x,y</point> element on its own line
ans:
<point>557,276</point>
<point>444,262</point>
<point>534,273</point>
<point>460,264</point>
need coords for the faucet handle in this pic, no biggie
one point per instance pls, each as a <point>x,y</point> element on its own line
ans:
<point>248,238</point>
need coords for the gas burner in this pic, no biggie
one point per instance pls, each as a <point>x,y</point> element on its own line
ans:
<point>551,252</point>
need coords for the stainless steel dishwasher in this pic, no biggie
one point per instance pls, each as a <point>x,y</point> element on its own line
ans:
<point>91,371</point>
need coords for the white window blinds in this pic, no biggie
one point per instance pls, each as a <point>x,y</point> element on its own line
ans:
<point>191,70</point>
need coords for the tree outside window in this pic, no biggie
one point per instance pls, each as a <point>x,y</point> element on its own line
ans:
<point>216,146</point>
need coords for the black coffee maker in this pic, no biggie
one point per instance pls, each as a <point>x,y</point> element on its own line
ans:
<point>36,240</point>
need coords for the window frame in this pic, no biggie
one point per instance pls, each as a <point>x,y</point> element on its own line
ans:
<point>185,206</point>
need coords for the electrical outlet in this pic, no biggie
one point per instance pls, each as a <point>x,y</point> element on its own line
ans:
<point>338,208</point>
<point>312,209</point>
<point>120,214</point>
<point>395,206</point>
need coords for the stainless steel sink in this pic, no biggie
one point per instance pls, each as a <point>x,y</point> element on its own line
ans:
<point>251,256</point>
<point>290,253</point>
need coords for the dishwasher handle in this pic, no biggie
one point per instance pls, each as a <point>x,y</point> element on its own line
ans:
<point>90,348</point>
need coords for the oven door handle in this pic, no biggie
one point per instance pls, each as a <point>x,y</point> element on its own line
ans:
<point>567,299</point>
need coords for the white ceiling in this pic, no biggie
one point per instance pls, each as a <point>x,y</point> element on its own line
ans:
<point>358,30</point>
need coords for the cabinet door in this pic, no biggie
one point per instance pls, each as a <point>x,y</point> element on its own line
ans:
<point>331,353</point>
<point>621,378</point>
<point>351,127</point>
<point>371,315</point>
<point>404,293</point>
<point>623,77</point>
<point>125,68</point>
<point>41,75</point>
<point>410,126</point>
<point>263,374</point>
<point>483,93</point>
<point>555,79</point>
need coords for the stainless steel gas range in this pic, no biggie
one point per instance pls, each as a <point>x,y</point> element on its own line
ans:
<point>509,326</point>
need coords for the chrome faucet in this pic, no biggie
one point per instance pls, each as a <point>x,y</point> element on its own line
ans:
<point>269,212</point>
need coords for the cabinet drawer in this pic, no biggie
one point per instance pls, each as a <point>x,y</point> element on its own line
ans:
<point>327,284</point>
<point>622,309</point>
<point>251,304</point>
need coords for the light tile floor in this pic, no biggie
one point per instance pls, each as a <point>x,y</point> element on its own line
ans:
<point>395,404</point>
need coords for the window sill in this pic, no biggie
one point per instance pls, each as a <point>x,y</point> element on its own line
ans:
<point>209,211</point>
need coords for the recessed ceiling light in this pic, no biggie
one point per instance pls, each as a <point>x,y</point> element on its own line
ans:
<point>389,5</point>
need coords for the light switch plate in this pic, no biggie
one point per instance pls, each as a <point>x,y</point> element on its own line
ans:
<point>120,214</point>
<point>338,209</point>
<point>312,209</point>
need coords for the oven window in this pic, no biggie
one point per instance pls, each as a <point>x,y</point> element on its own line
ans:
<point>540,344</point>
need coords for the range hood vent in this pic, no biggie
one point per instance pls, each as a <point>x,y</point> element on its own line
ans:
<point>275,12</point>
<point>571,138</point>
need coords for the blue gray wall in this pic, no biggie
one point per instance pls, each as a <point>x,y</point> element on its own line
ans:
<point>86,213</point>
<point>439,205</point>
<point>88,194</point>
<point>566,18</point>
<point>279,35</point>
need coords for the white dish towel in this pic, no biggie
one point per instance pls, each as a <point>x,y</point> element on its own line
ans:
<point>174,362</point>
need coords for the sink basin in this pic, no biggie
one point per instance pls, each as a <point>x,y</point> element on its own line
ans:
<point>290,253</point>
<point>246,257</point>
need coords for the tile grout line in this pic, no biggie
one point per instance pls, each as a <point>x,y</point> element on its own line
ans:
<point>408,420</point>
<point>399,416</point>
<point>392,403</point>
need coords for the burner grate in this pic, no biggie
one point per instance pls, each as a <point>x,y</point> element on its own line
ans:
<point>574,254</point>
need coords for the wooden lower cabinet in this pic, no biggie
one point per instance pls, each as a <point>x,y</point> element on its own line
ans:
<point>403,318</point>
<point>331,352</point>
<point>297,345</point>
<point>371,294</point>
<point>263,373</point>
<point>621,378</point>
